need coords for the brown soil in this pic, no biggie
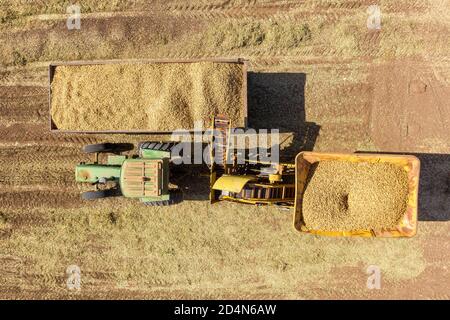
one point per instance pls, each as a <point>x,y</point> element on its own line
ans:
<point>345,196</point>
<point>154,97</point>
<point>359,87</point>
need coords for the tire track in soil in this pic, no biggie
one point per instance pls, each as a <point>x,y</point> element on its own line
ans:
<point>16,91</point>
<point>180,13</point>
<point>226,10</point>
<point>41,153</point>
<point>200,14</point>
<point>25,103</point>
<point>19,110</point>
<point>40,135</point>
<point>228,5</point>
<point>21,219</point>
<point>54,180</point>
<point>40,171</point>
<point>30,75</point>
<point>35,284</point>
<point>34,199</point>
<point>197,20</point>
<point>45,280</point>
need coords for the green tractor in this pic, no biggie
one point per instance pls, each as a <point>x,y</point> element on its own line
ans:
<point>144,176</point>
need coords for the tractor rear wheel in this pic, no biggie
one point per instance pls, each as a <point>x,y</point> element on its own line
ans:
<point>108,147</point>
<point>176,196</point>
<point>100,147</point>
<point>156,145</point>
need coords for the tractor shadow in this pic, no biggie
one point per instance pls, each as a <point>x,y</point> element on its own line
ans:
<point>434,186</point>
<point>193,180</point>
<point>277,101</point>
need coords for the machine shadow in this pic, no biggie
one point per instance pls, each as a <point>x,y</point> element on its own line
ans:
<point>434,186</point>
<point>277,101</point>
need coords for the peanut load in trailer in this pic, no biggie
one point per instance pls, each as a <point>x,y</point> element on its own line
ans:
<point>356,194</point>
<point>146,96</point>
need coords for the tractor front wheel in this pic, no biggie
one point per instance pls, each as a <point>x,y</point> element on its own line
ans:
<point>99,194</point>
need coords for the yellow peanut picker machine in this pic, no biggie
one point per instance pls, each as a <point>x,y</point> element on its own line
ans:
<point>258,183</point>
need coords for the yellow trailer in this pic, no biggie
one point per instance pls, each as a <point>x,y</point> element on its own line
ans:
<point>407,225</point>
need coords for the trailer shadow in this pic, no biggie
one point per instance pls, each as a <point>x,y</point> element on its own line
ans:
<point>434,186</point>
<point>277,101</point>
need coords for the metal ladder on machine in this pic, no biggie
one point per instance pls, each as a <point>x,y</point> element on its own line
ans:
<point>222,130</point>
<point>269,192</point>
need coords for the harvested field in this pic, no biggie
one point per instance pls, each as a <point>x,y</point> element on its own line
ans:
<point>317,73</point>
<point>346,196</point>
<point>146,97</point>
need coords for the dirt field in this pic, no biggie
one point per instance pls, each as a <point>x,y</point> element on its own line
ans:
<point>318,74</point>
